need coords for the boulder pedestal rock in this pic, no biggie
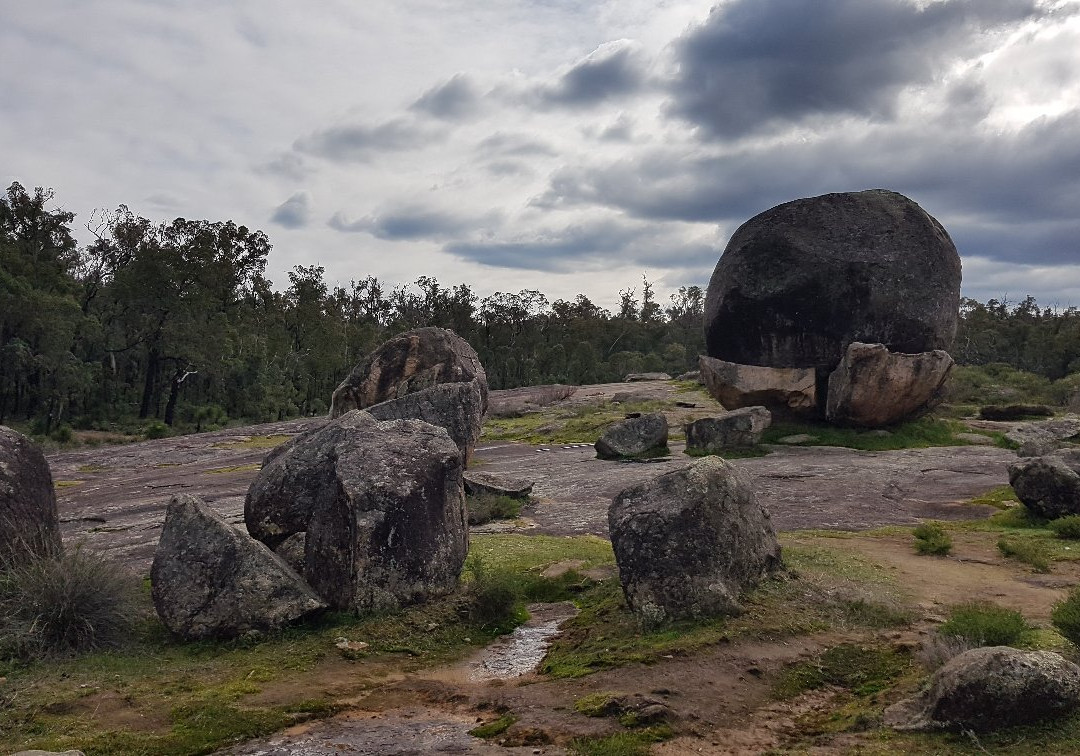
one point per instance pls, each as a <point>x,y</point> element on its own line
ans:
<point>991,688</point>
<point>408,363</point>
<point>1048,486</point>
<point>456,407</point>
<point>731,430</point>
<point>210,580</point>
<point>873,387</point>
<point>634,437</point>
<point>785,391</point>
<point>689,542</point>
<point>29,524</point>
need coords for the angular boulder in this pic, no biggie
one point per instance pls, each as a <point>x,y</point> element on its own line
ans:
<point>408,363</point>
<point>644,435</point>
<point>799,282</point>
<point>1048,486</point>
<point>990,688</point>
<point>873,386</point>
<point>732,430</point>
<point>456,407</point>
<point>689,542</point>
<point>209,580</point>
<point>29,523</point>
<point>785,391</point>
<point>479,482</point>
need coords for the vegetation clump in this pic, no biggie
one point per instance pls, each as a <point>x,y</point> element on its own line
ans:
<point>1025,550</point>
<point>485,507</point>
<point>1065,616</point>
<point>984,623</point>
<point>1066,527</point>
<point>932,539</point>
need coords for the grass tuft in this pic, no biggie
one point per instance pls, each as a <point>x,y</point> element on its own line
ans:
<point>984,623</point>
<point>636,743</point>
<point>931,539</point>
<point>864,670</point>
<point>485,507</point>
<point>495,727</point>
<point>1066,527</point>
<point>1025,550</point>
<point>1065,616</point>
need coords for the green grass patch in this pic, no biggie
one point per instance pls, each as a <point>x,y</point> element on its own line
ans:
<point>932,539</point>
<point>600,704</point>
<point>1065,616</point>
<point>494,728</point>
<point>67,483</point>
<point>92,468</point>
<point>1026,550</point>
<point>635,743</point>
<point>916,434</point>
<point>486,507</point>
<point>1001,497</point>
<point>1066,527</point>
<point>984,623</point>
<point>255,442</point>
<point>864,670</point>
<point>556,425</point>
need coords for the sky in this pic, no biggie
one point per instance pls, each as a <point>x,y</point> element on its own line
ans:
<point>568,146</point>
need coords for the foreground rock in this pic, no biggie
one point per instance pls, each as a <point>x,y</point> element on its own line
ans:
<point>478,482</point>
<point>1039,438</point>
<point>873,387</point>
<point>689,542</point>
<point>28,518</point>
<point>990,688</point>
<point>209,580</point>
<point>732,430</point>
<point>408,363</point>
<point>456,407</point>
<point>382,505</point>
<point>646,435</point>
<point>798,283</point>
<point>1048,486</point>
<point>785,391</point>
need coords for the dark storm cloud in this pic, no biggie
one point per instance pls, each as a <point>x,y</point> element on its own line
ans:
<point>1027,182</point>
<point>360,142</point>
<point>604,75</point>
<point>764,63</point>
<point>411,222</point>
<point>588,246</point>
<point>294,212</point>
<point>453,100</point>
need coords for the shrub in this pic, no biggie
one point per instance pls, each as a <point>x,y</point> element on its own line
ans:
<point>1026,551</point>
<point>158,429</point>
<point>937,649</point>
<point>1066,527</point>
<point>78,601</point>
<point>63,434</point>
<point>1065,616</point>
<point>493,596</point>
<point>487,507</point>
<point>984,623</point>
<point>931,538</point>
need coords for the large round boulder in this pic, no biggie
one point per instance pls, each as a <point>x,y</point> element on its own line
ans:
<point>414,361</point>
<point>29,523</point>
<point>798,283</point>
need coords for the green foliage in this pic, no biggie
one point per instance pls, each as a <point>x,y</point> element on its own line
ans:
<point>486,507</point>
<point>494,728</point>
<point>1001,497</point>
<point>996,383</point>
<point>931,538</point>
<point>636,743</point>
<point>1066,527</point>
<point>1065,616</point>
<point>864,670</point>
<point>158,429</point>
<point>914,434</point>
<point>75,602</point>
<point>1025,550</point>
<point>599,704</point>
<point>983,623</point>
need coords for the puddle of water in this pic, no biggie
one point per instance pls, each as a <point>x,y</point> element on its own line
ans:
<point>522,651</point>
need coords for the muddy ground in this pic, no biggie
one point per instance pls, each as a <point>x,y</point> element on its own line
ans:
<point>113,498</point>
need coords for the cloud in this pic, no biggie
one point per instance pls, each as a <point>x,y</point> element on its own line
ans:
<point>759,64</point>
<point>414,222</point>
<point>294,212</point>
<point>614,70</point>
<point>361,143</point>
<point>453,100</point>
<point>289,165</point>
<point>514,145</point>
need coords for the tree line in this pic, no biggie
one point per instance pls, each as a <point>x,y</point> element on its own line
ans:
<point>177,322</point>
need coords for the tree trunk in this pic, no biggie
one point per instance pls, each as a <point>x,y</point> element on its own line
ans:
<point>174,393</point>
<point>152,366</point>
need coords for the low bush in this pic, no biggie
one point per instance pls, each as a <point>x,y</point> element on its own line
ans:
<point>1065,616</point>
<point>931,538</point>
<point>1026,551</point>
<point>486,507</point>
<point>1066,527</point>
<point>157,429</point>
<point>984,623</point>
<point>76,602</point>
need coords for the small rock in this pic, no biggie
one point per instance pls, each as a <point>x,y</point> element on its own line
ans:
<point>798,438</point>
<point>344,644</point>
<point>478,482</point>
<point>633,437</point>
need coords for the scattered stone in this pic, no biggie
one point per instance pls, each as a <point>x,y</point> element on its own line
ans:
<point>784,391</point>
<point>457,407</point>
<point>209,580</point>
<point>382,504</point>
<point>798,438</point>
<point>479,482</point>
<point>873,386</point>
<point>736,429</point>
<point>976,439</point>
<point>990,688</point>
<point>799,282</point>
<point>635,377</point>
<point>1014,411</point>
<point>634,437</point>
<point>408,363</point>
<point>1048,486</point>
<point>689,542</point>
<point>29,523</point>
<point>1039,438</point>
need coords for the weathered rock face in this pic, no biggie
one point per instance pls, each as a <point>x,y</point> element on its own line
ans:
<point>991,688</point>
<point>689,542</point>
<point>408,363</point>
<point>209,580</point>
<point>1039,438</point>
<point>28,519</point>
<point>634,437</point>
<point>873,387</point>
<point>785,391</point>
<point>480,482</point>
<point>456,407</point>
<point>798,283</point>
<point>1048,486</point>
<point>382,506</point>
<point>731,430</point>
<point>394,531</point>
